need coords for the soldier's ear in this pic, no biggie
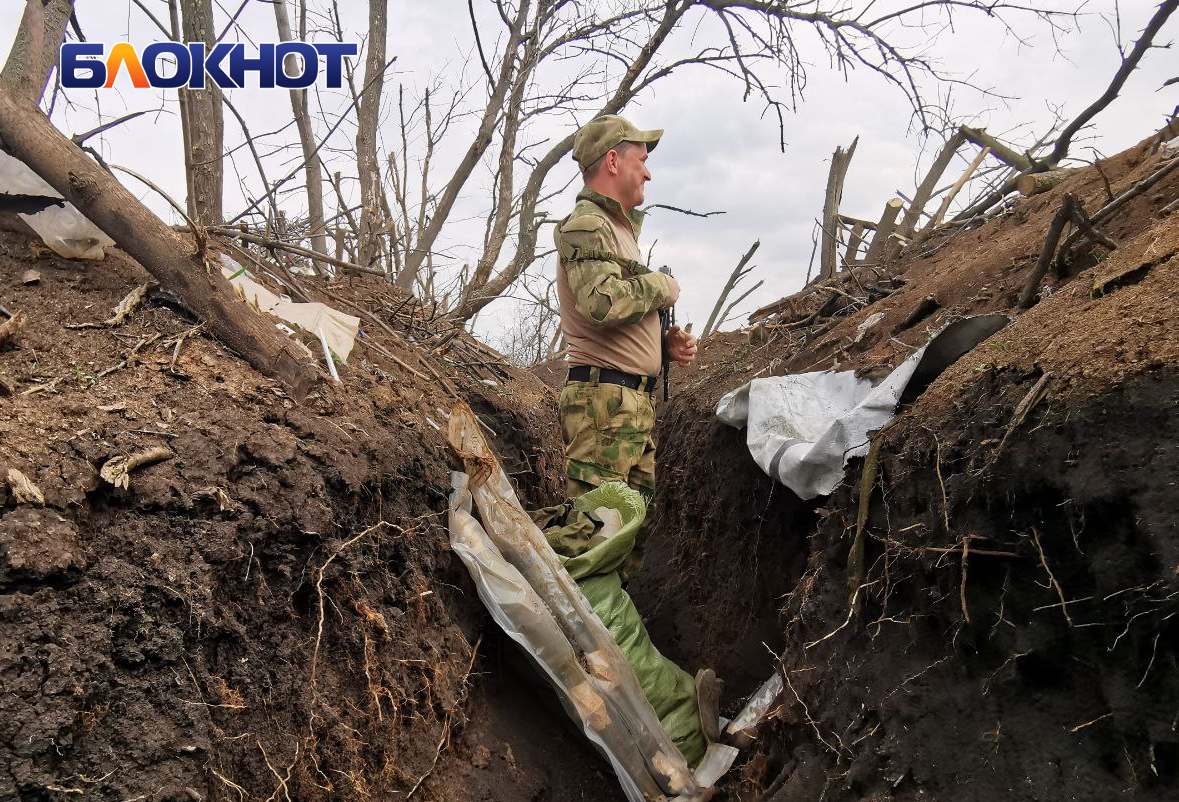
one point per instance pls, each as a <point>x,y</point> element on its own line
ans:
<point>611,161</point>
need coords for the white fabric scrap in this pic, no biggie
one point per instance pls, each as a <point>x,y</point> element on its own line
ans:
<point>803,429</point>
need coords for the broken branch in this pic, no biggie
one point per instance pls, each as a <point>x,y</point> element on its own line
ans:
<point>1028,296</point>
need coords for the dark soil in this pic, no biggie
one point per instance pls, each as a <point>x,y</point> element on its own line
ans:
<point>955,676</point>
<point>271,613</point>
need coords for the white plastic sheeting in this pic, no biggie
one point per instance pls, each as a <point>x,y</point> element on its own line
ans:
<point>335,328</point>
<point>533,598</point>
<point>802,429</point>
<point>63,228</point>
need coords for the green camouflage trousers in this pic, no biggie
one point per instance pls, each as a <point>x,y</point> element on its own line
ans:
<point>607,432</point>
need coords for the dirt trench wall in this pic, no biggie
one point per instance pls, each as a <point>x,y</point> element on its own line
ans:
<point>968,675</point>
<point>1014,628</point>
<point>273,611</point>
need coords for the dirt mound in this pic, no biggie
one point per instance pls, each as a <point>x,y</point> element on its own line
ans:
<point>1012,630</point>
<point>270,611</point>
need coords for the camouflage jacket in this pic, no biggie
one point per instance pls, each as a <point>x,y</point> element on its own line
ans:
<point>594,266</point>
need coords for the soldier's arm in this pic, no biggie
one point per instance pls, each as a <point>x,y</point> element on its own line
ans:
<point>600,292</point>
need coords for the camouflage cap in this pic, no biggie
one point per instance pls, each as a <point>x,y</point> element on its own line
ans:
<point>594,139</point>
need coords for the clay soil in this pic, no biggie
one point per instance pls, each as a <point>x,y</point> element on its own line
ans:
<point>1013,634</point>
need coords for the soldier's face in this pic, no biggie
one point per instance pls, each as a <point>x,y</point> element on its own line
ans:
<point>632,174</point>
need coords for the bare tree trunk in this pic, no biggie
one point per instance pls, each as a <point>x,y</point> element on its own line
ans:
<point>206,126</point>
<point>1129,64</point>
<point>368,114</point>
<point>880,241</point>
<point>929,183</point>
<point>491,112</point>
<point>314,177</point>
<point>169,257</point>
<point>42,28</point>
<point>498,231</point>
<point>840,161</point>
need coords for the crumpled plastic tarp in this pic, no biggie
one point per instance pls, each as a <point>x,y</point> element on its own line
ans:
<point>597,684</point>
<point>669,689</point>
<point>802,429</point>
<point>338,329</point>
<point>63,228</point>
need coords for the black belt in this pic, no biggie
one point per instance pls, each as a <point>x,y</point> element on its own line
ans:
<point>581,373</point>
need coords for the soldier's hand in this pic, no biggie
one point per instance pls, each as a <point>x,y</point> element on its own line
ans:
<point>673,291</point>
<point>681,346</point>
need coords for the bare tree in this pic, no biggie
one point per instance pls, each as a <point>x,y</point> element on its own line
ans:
<point>481,141</point>
<point>759,46</point>
<point>367,166</point>
<point>314,178</point>
<point>34,52</point>
<point>202,119</point>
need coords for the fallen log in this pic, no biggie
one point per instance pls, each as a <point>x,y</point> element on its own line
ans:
<point>1004,153</point>
<point>1035,183</point>
<point>170,258</point>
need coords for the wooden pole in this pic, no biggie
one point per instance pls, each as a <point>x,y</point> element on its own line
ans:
<point>929,184</point>
<point>954,190</point>
<point>839,164</point>
<point>29,136</point>
<point>884,229</point>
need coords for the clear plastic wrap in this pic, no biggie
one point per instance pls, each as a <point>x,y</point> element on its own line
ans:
<point>63,228</point>
<point>524,618</point>
<point>743,726</point>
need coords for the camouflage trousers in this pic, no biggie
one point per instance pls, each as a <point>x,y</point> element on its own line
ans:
<point>607,431</point>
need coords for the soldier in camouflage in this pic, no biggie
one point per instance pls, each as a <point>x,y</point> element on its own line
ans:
<point>610,304</point>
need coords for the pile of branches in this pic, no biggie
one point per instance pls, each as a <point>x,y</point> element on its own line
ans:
<point>824,303</point>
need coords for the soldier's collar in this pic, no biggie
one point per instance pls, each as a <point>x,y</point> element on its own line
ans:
<point>613,206</point>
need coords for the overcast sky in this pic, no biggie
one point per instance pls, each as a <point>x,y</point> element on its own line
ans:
<point>718,153</point>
